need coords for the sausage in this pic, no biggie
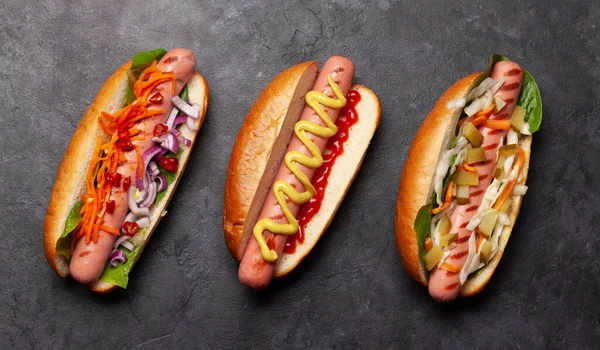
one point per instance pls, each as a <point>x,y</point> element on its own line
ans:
<point>445,285</point>
<point>254,271</point>
<point>88,260</point>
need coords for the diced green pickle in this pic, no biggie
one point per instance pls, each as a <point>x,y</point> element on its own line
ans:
<point>463,194</point>
<point>444,225</point>
<point>485,252</point>
<point>517,119</point>
<point>486,227</point>
<point>508,150</point>
<point>447,239</point>
<point>476,155</point>
<point>466,178</point>
<point>506,205</point>
<point>472,134</point>
<point>433,257</point>
<point>499,103</point>
<point>499,169</point>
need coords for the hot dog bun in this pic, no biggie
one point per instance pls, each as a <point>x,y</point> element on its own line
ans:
<point>71,174</point>
<point>259,150</point>
<point>416,187</point>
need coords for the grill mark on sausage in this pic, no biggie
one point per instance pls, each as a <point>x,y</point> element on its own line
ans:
<point>451,286</point>
<point>495,131</point>
<point>171,59</point>
<point>277,217</point>
<point>509,100</point>
<point>488,162</point>
<point>471,208</point>
<point>450,273</point>
<point>483,177</point>
<point>510,87</point>
<point>490,146</point>
<point>512,72</point>
<point>459,255</point>
<point>500,116</point>
<point>84,253</point>
<point>462,239</point>
<point>476,193</point>
<point>463,225</point>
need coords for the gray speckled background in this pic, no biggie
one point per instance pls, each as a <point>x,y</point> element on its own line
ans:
<point>352,291</point>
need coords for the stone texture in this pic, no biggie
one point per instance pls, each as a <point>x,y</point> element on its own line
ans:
<point>352,291</point>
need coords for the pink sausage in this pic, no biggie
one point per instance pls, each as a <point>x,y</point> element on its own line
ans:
<point>89,260</point>
<point>444,285</point>
<point>254,271</point>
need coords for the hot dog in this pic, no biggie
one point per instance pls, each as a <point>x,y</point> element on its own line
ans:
<point>463,182</point>
<point>122,166</point>
<point>268,161</point>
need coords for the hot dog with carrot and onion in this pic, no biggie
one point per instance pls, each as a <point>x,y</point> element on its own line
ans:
<point>294,159</point>
<point>464,179</point>
<point>122,165</point>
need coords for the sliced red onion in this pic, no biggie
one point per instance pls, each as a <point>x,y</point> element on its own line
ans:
<point>123,240</point>
<point>133,205</point>
<point>131,217</point>
<point>192,123</point>
<point>142,196</point>
<point>171,143</point>
<point>143,222</point>
<point>185,141</point>
<point>159,139</point>
<point>171,118</point>
<point>117,256</point>
<point>159,154</point>
<point>153,168</point>
<point>162,182</point>
<point>150,197</point>
<point>146,157</point>
<point>179,120</point>
<point>190,110</point>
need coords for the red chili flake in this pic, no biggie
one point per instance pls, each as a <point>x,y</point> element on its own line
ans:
<point>113,178</point>
<point>156,98</point>
<point>126,183</point>
<point>160,130</point>
<point>110,206</point>
<point>131,228</point>
<point>124,145</point>
<point>169,164</point>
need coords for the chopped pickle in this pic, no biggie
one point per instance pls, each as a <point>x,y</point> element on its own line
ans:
<point>476,155</point>
<point>506,205</point>
<point>472,134</point>
<point>508,150</point>
<point>466,178</point>
<point>444,225</point>
<point>499,169</point>
<point>463,194</point>
<point>499,103</point>
<point>486,227</point>
<point>517,119</point>
<point>485,251</point>
<point>447,239</point>
<point>433,257</point>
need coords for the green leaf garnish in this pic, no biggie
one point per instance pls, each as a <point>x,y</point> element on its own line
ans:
<point>63,245</point>
<point>531,100</point>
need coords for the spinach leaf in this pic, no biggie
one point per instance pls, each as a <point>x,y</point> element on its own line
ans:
<point>531,100</point>
<point>143,60</point>
<point>422,225</point>
<point>63,246</point>
<point>185,95</point>
<point>129,96</point>
<point>119,275</point>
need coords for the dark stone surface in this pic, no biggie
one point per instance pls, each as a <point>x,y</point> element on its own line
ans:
<point>352,291</point>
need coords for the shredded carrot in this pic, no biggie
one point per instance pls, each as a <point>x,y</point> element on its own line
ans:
<point>497,124</point>
<point>442,207</point>
<point>428,244</point>
<point>479,120</point>
<point>479,241</point>
<point>450,267</point>
<point>485,112</point>
<point>511,184</point>
<point>449,192</point>
<point>469,168</point>
<point>110,230</point>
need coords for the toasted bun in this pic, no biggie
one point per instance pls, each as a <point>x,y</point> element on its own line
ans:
<point>268,126</point>
<point>72,171</point>
<point>342,174</point>
<point>415,187</point>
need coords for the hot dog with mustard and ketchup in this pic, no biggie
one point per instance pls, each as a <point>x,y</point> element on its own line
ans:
<point>464,179</point>
<point>294,159</point>
<point>122,166</point>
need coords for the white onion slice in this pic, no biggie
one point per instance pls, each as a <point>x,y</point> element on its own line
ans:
<point>171,118</point>
<point>503,219</point>
<point>497,86</point>
<point>143,222</point>
<point>479,104</point>
<point>520,190</point>
<point>456,103</point>
<point>485,85</point>
<point>192,123</point>
<point>186,108</point>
